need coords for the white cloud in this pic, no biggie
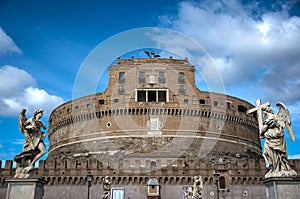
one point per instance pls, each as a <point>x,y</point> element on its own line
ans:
<point>14,80</point>
<point>18,141</point>
<point>297,156</point>
<point>18,90</point>
<point>7,45</point>
<point>260,50</point>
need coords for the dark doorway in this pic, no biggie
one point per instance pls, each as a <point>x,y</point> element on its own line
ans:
<point>151,96</point>
<point>141,96</point>
<point>162,96</point>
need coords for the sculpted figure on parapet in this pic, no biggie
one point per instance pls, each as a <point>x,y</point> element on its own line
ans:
<point>272,127</point>
<point>197,187</point>
<point>106,187</point>
<point>34,147</point>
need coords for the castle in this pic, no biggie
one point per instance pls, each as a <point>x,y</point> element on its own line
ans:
<point>152,122</point>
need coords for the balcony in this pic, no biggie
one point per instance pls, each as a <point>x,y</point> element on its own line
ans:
<point>142,80</point>
<point>181,91</point>
<point>121,89</point>
<point>181,80</point>
<point>161,80</point>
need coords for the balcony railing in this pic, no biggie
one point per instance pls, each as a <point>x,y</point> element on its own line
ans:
<point>121,91</point>
<point>142,80</point>
<point>181,91</point>
<point>161,80</point>
<point>181,80</point>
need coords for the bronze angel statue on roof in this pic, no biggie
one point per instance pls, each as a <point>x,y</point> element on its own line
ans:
<point>34,146</point>
<point>272,130</point>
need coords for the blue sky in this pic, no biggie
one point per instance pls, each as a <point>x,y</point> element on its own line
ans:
<point>254,44</point>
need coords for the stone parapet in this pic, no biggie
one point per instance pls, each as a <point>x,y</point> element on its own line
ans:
<point>244,171</point>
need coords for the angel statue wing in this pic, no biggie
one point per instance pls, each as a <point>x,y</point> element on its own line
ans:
<point>284,119</point>
<point>22,119</point>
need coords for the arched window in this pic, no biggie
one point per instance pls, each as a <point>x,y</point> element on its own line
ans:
<point>222,182</point>
<point>99,165</point>
<point>153,165</point>
<point>242,109</point>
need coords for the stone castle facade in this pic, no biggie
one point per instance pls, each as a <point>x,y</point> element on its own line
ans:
<point>152,122</point>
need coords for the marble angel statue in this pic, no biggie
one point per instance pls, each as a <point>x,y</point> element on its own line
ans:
<point>272,131</point>
<point>106,187</point>
<point>34,146</point>
<point>197,187</point>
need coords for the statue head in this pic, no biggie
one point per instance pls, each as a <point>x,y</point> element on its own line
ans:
<point>198,180</point>
<point>268,109</point>
<point>107,179</point>
<point>38,113</point>
<point>23,110</point>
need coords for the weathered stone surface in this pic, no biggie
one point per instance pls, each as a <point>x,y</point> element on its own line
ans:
<point>282,187</point>
<point>191,124</point>
<point>28,188</point>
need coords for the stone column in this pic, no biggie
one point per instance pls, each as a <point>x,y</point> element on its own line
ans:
<point>282,187</point>
<point>29,188</point>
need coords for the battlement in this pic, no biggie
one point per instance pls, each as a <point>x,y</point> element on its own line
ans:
<point>178,172</point>
<point>147,165</point>
<point>62,167</point>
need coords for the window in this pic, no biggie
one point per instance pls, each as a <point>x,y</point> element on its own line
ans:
<point>186,101</point>
<point>222,182</point>
<point>88,105</point>
<point>117,193</point>
<point>242,109</point>
<point>141,96</point>
<point>142,78</point>
<point>228,105</point>
<point>162,96</point>
<point>152,95</point>
<point>161,78</point>
<point>100,102</point>
<point>116,100</point>
<point>89,164</point>
<point>202,101</point>
<point>181,90</point>
<point>153,164</point>
<point>121,89</point>
<point>181,77</point>
<point>99,165</point>
<point>121,77</point>
<point>216,103</point>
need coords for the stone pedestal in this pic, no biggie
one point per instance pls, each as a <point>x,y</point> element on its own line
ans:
<point>29,188</point>
<point>282,187</point>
